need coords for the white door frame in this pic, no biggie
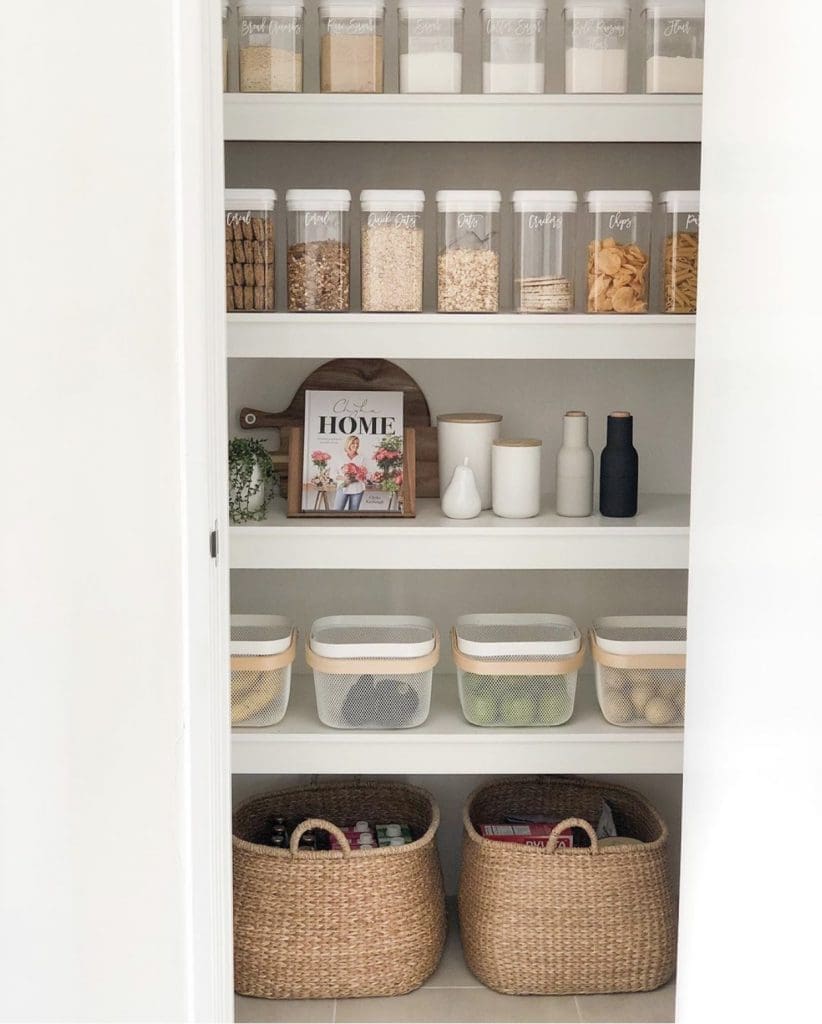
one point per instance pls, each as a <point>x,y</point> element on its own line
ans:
<point>201,267</point>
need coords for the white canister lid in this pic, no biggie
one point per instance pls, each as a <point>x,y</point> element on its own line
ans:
<point>338,199</point>
<point>681,202</point>
<point>260,7</point>
<point>403,200</point>
<point>431,8</point>
<point>468,201</point>
<point>352,8</point>
<point>676,8</point>
<point>552,201</point>
<point>630,201</point>
<point>599,8</point>
<point>515,5</point>
<point>250,198</point>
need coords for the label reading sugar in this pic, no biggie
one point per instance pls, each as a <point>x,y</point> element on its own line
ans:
<point>517,27</point>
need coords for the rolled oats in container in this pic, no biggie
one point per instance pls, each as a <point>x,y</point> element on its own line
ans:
<point>249,249</point>
<point>617,265</point>
<point>680,251</point>
<point>468,251</point>
<point>391,250</point>
<point>319,255</point>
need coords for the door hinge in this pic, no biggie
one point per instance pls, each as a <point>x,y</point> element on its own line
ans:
<point>213,544</point>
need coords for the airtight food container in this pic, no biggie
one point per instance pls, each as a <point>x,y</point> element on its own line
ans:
<point>430,46</point>
<point>351,46</point>
<point>544,228</point>
<point>596,46</point>
<point>619,229</point>
<point>249,249</point>
<point>391,246</point>
<point>468,251</point>
<point>674,44</point>
<point>373,671</point>
<point>680,251</point>
<point>640,668</point>
<point>262,650</point>
<point>270,46</point>
<point>319,254</point>
<point>517,669</point>
<point>513,46</point>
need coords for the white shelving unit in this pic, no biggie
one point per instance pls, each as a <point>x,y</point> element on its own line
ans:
<point>458,336</point>
<point>657,538</point>
<point>469,118</point>
<point>448,745</point>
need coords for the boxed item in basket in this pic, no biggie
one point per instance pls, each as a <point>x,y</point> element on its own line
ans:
<point>640,668</point>
<point>373,671</point>
<point>263,648</point>
<point>534,834</point>
<point>517,669</point>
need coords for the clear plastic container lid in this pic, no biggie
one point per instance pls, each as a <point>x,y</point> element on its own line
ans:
<point>352,8</point>
<point>676,8</point>
<point>680,202</point>
<point>259,635</point>
<point>599,8</point>
<point>250,198</point>
<point>468,201</point>
<point>554,201</point>
<point>318,199</point>
<point>431,8</point>
<point>630,201</point>
<point>373,636</point>
<point>402,200</point>
<point>259,7</point>
<point>642,634</point>
<point>529,6</point>
<point>529,635</point>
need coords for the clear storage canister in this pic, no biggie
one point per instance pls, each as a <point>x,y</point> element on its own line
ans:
<point>225,45</point>
<point>620,237</point>
<point>249,249</point>
<point>468,251</point>
<point>544,251</point>
<point>674,42</point>
<point>391,250</point>
<point>430,46</point>
<point>513,46</point>
<point>596,46</point>
<point>319,255</point>
<point>680,251</point>
<point>271,46</point>
<point>351,46</point>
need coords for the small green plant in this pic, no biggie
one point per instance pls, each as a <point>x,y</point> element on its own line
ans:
<point>248,492</point>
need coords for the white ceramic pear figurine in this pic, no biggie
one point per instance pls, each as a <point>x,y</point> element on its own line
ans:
<point>462,497</point>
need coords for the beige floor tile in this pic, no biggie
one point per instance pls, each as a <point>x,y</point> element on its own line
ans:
<point>283,1011</point>
<point>629,1007</point>
<point>458,1006</point>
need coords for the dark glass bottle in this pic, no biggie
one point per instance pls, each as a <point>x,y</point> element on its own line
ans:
<point>619,469</point>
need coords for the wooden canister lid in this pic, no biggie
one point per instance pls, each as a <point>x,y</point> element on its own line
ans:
<point>469,417</point>
<point>517,442</point>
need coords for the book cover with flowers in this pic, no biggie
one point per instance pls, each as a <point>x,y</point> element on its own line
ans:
<point>353,457</point>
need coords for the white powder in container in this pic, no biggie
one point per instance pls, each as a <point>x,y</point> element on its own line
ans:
<point>592,70</point>
<point>673,74</point>
<point>431,72</point>
<point>498,77</point>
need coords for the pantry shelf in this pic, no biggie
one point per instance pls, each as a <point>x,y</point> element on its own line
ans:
<point>458,336</point>
<point>446,744</point>
<point>316,117</point>
<point>657,538</point>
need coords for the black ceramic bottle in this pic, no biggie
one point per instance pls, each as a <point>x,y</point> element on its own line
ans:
<point>619,468</point>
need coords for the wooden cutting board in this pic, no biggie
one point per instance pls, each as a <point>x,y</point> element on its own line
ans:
<point>357,375</point>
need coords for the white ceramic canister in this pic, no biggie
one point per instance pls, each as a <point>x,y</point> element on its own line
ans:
<point>467,435</point>
<point>575,468</point>
<point>515,475</point>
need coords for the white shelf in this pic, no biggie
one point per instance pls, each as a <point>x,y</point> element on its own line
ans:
<point>467,118</point>
<point>657,538</point>
<point>458,336</point>
<point>448,745</point>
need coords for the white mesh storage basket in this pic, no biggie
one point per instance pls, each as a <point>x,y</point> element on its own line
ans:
<point>640,668</point>
<point>517,670</point>
<point>262,649</point>
<point>373,671</point>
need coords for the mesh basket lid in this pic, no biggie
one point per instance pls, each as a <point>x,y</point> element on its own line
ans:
<point>373,636</point>
<point>642,634</point>
<point>495,635</point>
<point>259,635</point>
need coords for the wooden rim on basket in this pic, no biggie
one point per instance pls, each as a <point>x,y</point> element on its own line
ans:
<point>629,661</point>
<point>265,662</point>
<point>499,667</point>
<point>355,666</point>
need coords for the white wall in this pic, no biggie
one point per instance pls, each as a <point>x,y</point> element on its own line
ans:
<point>751,897</point>
<point>95,915</point>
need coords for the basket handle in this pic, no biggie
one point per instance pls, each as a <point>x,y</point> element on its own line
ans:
<point>266,662</point>
<point>356,666</point>
<point>326,826</point>
<point>553,839</point>
<point>487,666</point>
<point>629,661</point>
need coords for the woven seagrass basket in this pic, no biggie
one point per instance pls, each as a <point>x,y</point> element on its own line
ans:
<point>549,920</point>
<point>337,924</point>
